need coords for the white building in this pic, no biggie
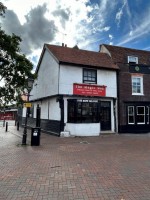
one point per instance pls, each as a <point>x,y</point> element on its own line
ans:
<point>76,90</point>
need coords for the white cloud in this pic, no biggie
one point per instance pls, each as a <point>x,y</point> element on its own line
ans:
<point>147,48</point>
<point>69,22</point>
<point>110,36</point>
<point>107,28</point>
<point>141,30</point>
<point>120,13</point>
<point>130,33</point>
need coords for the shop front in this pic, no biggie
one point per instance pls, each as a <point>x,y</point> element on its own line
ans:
<point>89,111</point>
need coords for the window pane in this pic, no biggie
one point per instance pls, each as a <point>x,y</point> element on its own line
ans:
<point>137,85</point>
<point>131,119</point>
<point>85,73</point>
<point>133,59</point>
<point>140,119</point>
<point>89,75</point>
<point>131,110</point>
<point>140,110</point>
<point>131,116</point>
<point>79,112</point>
<point>71,111</point>
<point>82,112</point>
<point>138,89</point>
<point>140,114</point>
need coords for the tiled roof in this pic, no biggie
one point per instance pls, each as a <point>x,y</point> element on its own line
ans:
<point>120,54</point>
<point>81,57</point>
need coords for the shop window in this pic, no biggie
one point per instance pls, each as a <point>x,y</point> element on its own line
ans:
<point>132,59</point>
<point>71,111</point>
<point>131,117</point>
<point>137,85</point>
<point>140,114</point>
<point>82,111</point>
<point>89,76</point>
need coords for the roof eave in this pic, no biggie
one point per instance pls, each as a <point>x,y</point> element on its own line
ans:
<point>89,66</point>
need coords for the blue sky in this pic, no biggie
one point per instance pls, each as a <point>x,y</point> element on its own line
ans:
<point>86,23</point>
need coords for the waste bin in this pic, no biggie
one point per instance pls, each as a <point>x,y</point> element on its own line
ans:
<point>35,136</point>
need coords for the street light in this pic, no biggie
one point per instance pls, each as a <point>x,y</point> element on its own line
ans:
<point>29,87</point>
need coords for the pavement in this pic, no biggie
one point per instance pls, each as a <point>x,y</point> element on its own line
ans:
<point>113,167</point>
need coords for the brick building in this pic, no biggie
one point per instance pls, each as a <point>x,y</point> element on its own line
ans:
<point>133,87</point>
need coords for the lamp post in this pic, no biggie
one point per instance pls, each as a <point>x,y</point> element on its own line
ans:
<point>29,87</point>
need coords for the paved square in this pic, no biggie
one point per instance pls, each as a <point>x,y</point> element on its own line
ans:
<point>114,167</point>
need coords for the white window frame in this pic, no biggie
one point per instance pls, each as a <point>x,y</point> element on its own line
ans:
<point>133,59</point>
<point>141,85</point>
<point>131,115</point>
<point>140,114</point>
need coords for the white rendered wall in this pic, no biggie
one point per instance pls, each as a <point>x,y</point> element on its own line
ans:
<point>109,79</point>
<point>49,109</point>
<point>83,129</point>
<point>68,76</point>
<point>71,74</point>
<point>46,83</point>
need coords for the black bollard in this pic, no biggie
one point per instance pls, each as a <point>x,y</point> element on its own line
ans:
<point>38,116</point>
<point>17,126</point>
<point>6,126</point>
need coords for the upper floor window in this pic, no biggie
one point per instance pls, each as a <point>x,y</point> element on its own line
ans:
<point>137,85</point>
<point>133,59</point>
<point>89,76</point>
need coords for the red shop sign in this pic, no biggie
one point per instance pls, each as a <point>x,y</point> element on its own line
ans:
<point>89,90</point>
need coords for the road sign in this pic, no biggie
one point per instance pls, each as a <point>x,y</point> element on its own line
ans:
<point>27,105</point>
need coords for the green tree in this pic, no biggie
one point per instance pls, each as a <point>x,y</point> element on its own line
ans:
<point>2,9</point>
<point>15,68</point>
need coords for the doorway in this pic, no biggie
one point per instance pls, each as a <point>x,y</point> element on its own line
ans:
<point>105,115</point>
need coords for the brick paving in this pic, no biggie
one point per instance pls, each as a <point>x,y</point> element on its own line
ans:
<point>114,167</point>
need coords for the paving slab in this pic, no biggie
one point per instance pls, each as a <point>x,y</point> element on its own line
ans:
<point>113,167</point>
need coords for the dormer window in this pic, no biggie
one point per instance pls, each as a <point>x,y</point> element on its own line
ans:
<point>132,59</point>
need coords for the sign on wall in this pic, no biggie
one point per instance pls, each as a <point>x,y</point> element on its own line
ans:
<point>89,90</point>
<point>27,105</point>
<point>139,68</point>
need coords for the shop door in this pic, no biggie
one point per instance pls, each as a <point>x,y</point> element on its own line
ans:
<point>105,115</point>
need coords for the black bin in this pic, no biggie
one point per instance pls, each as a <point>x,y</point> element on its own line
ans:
<point>35,136</point>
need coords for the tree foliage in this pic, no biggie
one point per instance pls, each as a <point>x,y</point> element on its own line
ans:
<point>2,9</point>
<point>15,68</point>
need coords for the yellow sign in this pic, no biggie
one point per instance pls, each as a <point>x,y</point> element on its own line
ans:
<point>27,105</point>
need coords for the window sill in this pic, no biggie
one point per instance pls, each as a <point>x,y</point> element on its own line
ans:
<point>137,94</point>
